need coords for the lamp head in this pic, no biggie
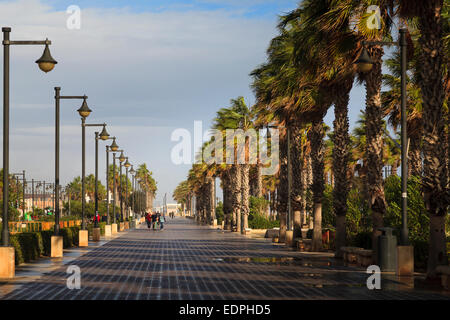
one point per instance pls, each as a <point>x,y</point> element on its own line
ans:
<point>127,164</point>
<point>84,110</point>
<point>114,146</point>
<point>122,157</point>
<point>364,63</point>
<point>132,170</point>
<point>46,62</point>
<point>104,135</point>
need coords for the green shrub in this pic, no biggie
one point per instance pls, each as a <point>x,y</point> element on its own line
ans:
<point>219,213</point>
<point>70,236</point>
<point>258,206</point>
<point>328,216</point>
<point>256,221</point>
<point>90,228</point>
<point>18,256</point>
<point>47,241</point>
<point>418,220</point>
<point>30,246</point>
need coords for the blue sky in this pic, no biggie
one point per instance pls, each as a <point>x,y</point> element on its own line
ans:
<point>148,67</point>
<point>248,8</point>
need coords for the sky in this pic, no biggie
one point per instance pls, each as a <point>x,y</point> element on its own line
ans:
<point>148,68</point>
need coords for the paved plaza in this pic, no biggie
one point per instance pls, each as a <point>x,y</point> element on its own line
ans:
<point>188,261</point>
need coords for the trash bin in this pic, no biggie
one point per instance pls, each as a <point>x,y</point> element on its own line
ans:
<point>387,250</point>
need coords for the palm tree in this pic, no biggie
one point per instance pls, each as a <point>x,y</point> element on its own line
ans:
<point>435,178</point>
<point>339,17</point>
<point>238,116</point>
<point>147,182</point>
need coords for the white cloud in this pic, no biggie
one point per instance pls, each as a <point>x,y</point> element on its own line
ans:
<point>146,71</point>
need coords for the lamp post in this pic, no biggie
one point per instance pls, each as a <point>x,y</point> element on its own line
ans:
<point>112,148</point>
<point>126,165</point>
<point>98,136</point>
<point>121,159</point>
<point>46,63</point>
<point>114,183</point>
<point>58,98</point>
<point>365,64</point>
<point>84,112</point>
<point>133,190</point>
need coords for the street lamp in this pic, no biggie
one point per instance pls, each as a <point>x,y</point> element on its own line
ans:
<point>114,178</point>
<point>126,165</point>
<point>84,112</point>
<point>58,98</point>
<point>121,159</point>
<point>103,136</point>
<point>365,64</point>
<point>46,63</point>
<point>133,188</point>
<point>115,147</point>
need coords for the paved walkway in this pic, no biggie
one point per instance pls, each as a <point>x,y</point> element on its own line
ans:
<point>187,261</point>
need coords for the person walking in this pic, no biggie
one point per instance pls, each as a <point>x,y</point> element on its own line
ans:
<point>161,222</point>
<point>154,217</point>
<point>148,219</point>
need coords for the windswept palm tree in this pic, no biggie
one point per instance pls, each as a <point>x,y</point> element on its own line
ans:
<point>431,21</point>
<point>147,182</point>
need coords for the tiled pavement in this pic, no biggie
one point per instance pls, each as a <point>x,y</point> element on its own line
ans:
<point>187,261</point>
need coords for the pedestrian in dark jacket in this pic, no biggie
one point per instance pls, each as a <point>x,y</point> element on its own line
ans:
<point>154,219</point>
<point>148,219</point>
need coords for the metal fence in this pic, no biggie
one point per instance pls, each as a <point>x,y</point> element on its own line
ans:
<point>35,226</point>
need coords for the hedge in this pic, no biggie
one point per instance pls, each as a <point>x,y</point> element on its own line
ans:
<point>30,246</point>
<point>256,221</point>
<point>102,225</point>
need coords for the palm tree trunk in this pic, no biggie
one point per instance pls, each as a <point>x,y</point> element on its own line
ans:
<point>340,167</point>
<point>415,158</point>
<point>374,145</point>
<point>227,201</point>
<point>434,169</point>
<point>298,186</point>
<point>272,204</point>
<point>282,194</point>
<point>209,188</point>
<point>236,194</point>
<point>245,169</point>
<point>259,185</point>
<point>318,167</point>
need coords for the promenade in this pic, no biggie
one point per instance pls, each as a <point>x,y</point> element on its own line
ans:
<point>188,261</point>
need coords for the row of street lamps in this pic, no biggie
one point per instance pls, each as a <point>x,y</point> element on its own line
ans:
<point>46,63</point>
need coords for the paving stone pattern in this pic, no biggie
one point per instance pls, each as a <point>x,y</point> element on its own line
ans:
<point>187,261</point>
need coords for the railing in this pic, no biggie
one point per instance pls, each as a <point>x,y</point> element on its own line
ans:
<point>34,226</point>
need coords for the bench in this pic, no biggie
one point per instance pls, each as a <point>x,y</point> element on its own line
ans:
<point>303,245</point>
<point>444,272</point>
<point>350,254</point>
<point>364,257</point>
<point>359,256</point>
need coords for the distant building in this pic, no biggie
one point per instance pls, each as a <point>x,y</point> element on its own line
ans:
<point>171,207</point>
